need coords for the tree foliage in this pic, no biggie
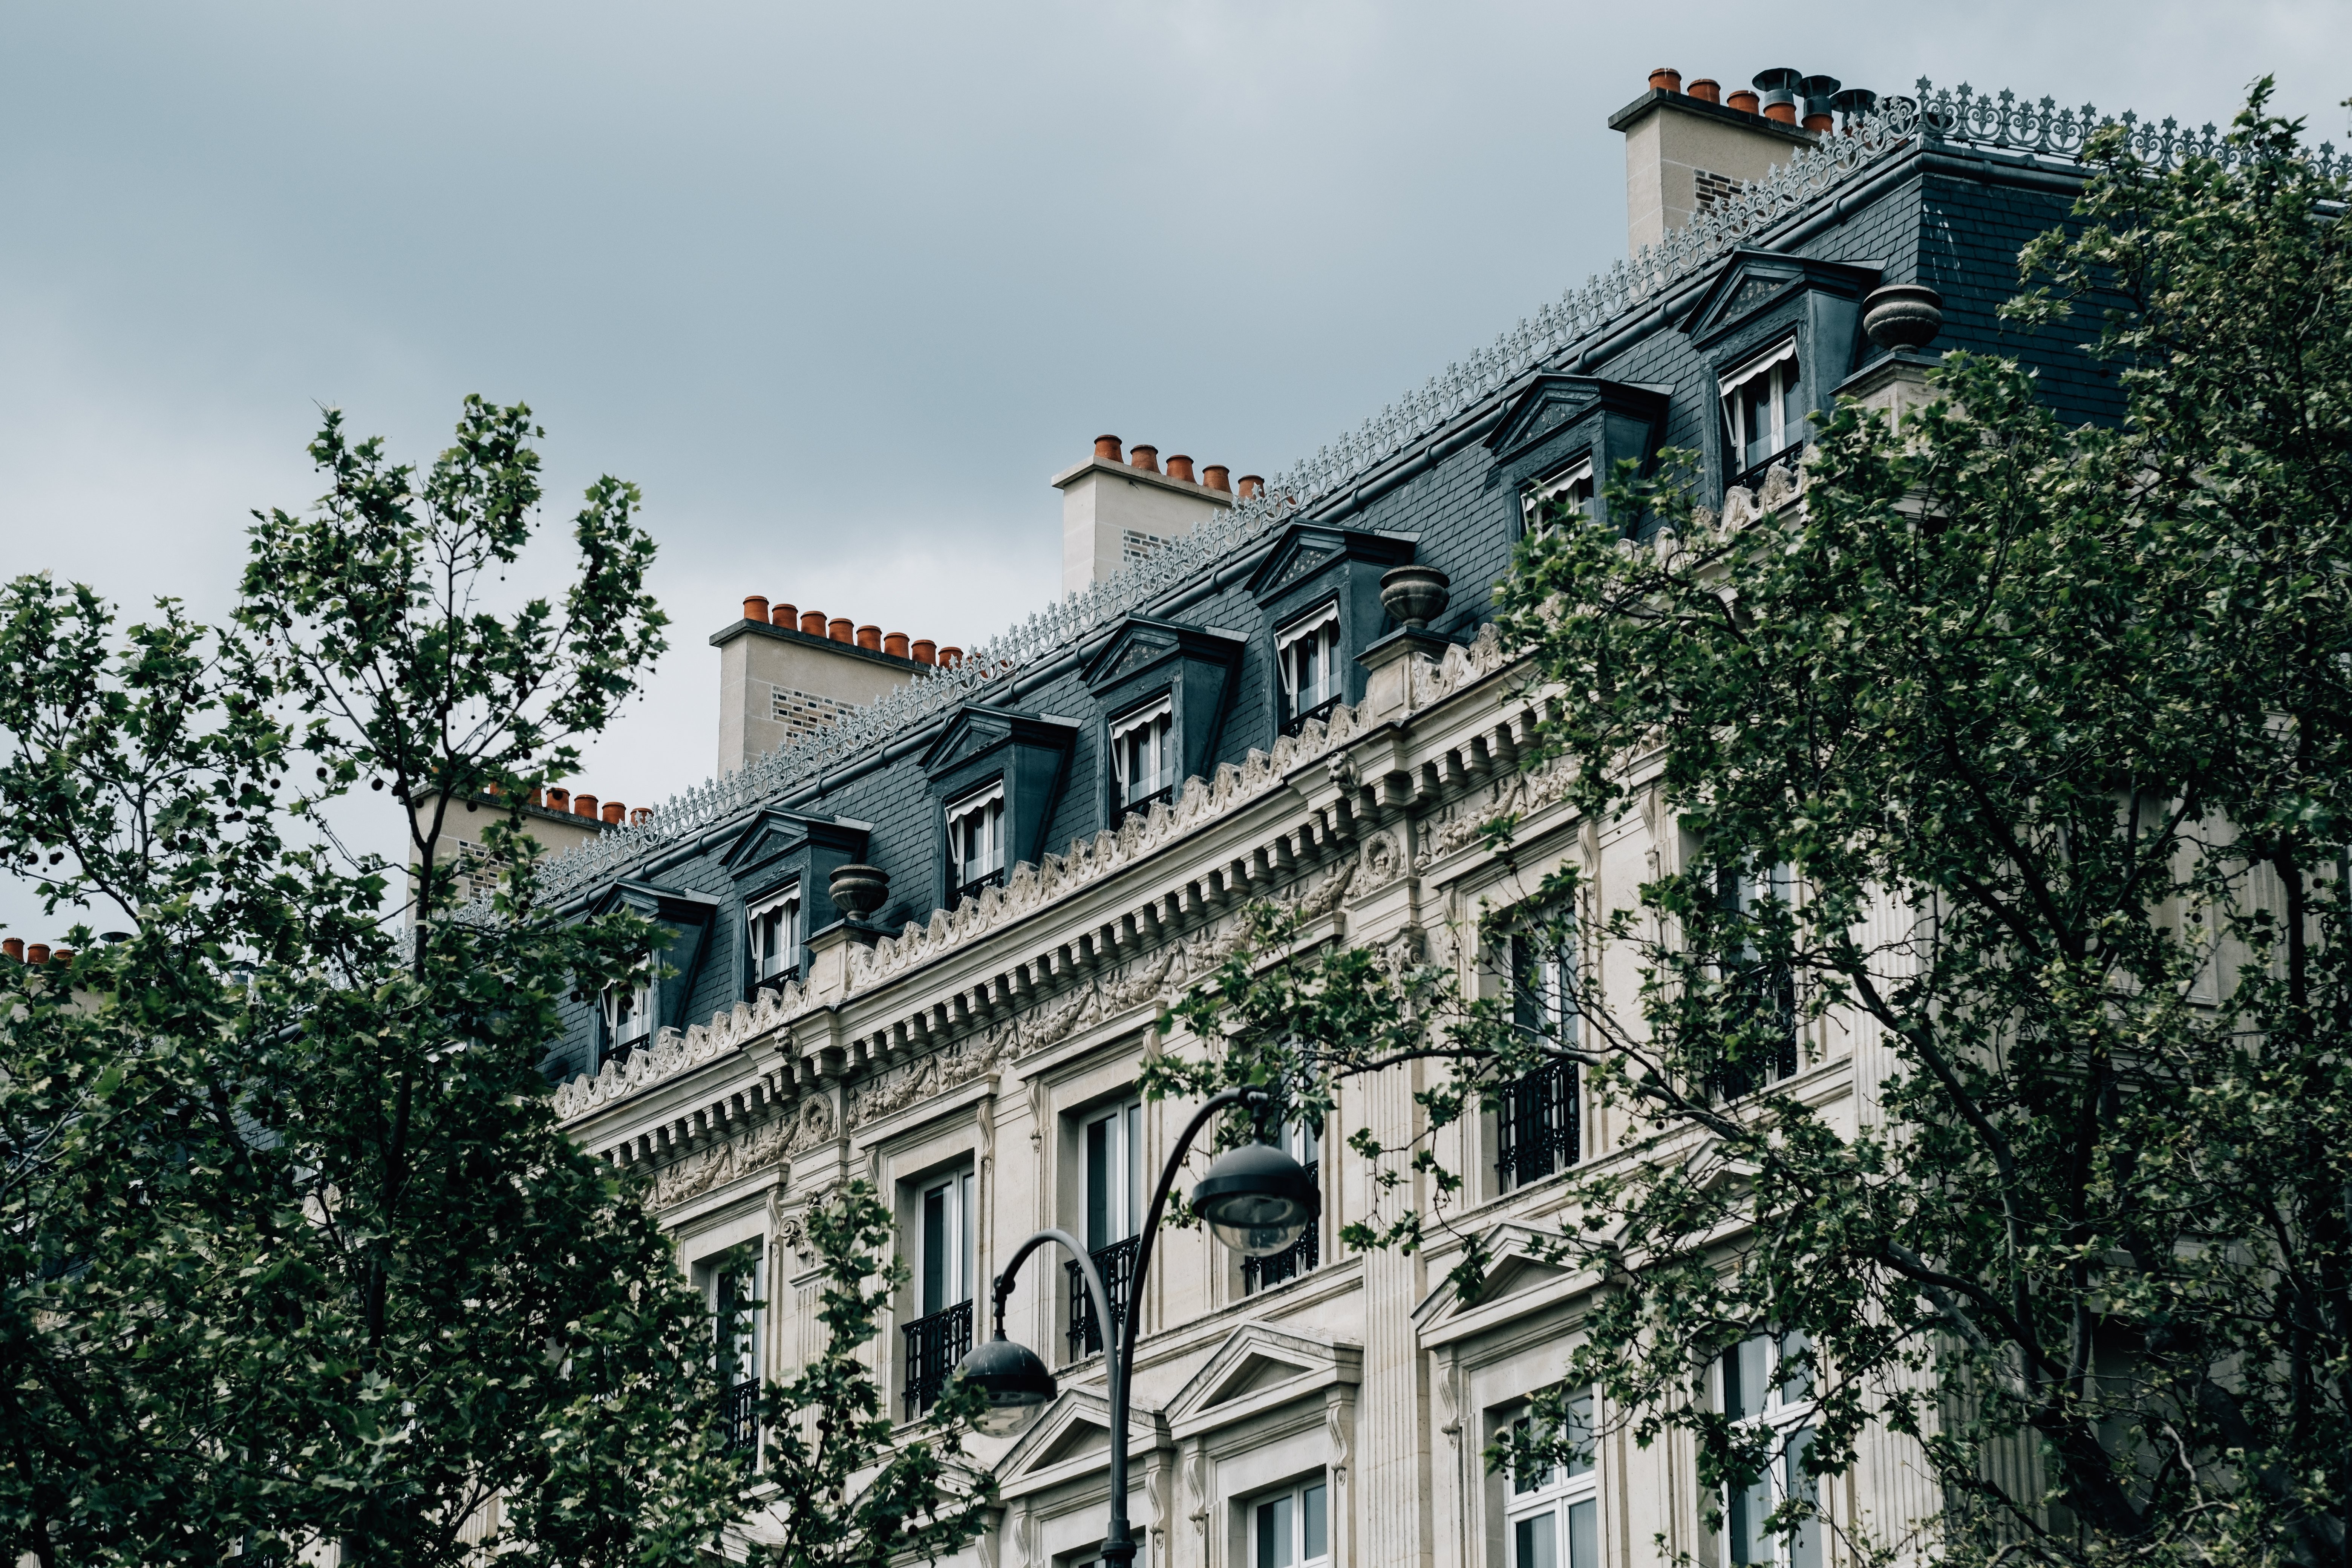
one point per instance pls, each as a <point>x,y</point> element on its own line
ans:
<point>2014,757</point>
<point>291,1250</point>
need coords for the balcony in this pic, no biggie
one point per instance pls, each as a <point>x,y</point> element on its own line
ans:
<point>1302,1256</point>
<point>1116,1263</point>
<point>1297,722</point>
<point>1752,478</point>
<point>986,880</point>
<point>739,1416</point>
<point>933,1346</point>
<point>1538,1126</point>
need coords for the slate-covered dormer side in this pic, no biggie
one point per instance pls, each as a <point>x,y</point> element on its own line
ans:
<point>1917,209</point>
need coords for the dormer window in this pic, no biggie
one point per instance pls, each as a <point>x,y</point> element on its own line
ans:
<point>1142,754</point>
<point>1307,651</point>
<point>976,839</point>
<point>1572,486</point>
<point>1763,412</point>
<point>628,1016</point>
<point>775,926</point>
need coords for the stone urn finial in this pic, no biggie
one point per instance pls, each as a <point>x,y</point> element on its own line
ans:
<point>1902,316</point>
<point>1415,596</point>
<point>859,889</point>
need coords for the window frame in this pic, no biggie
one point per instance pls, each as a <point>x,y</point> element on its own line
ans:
<point>794,927</point>
<point>1157,715</point>
<point>1576,474</point>
<point>1741,890</point>
<point>1790,1422</point>
<point>1557,1120</point>
<point>1304,1528</point>
<point>1313,624</point>
<point>638,993</point>
<point>739,1381</point>
<point>1749,458</point>
<point>971,804</point>
<point>1556,1497</point>
<point>957,1189</point>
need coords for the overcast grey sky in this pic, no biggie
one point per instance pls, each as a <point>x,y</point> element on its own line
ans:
<point>841,286</point>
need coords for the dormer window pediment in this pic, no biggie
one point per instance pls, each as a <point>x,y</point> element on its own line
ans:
<point>995,773</point>
<point>1777,333</point>
<point>1564,427</point>
<point>655,1000</point>
<point>1312,567</point>
<point>781,865</point>
<point>1164,690</point>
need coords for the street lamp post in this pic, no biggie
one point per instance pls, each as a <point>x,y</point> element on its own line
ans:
<point>1255,1199</point>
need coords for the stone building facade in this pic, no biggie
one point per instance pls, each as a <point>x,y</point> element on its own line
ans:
<point>1069,824</point>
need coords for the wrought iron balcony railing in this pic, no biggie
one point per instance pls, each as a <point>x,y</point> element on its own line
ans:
<point>986,880</point>
<point>1164,795</point>
<point>1302,1256</point>
<point>1752,476</point>
<point>1117,1265</point>
<point>1538,1126</point>
<point>1297,722</point>
<point>739,1416</point>
<point>934,1345</point>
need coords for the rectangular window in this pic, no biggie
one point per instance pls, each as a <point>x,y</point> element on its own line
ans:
<point>1574,486</point>
<point>976,840</point>
<point>1763,412</point>
<point>1553,1514</point>
<point>1305,1144</point>
<point>775,928</point>
<point>1759,987</point>
<point>1766,1380</point>
<point>1293,1528</point>
<point>1307,652</point>
<point>1110,1148</point>
<point>944,1272</point>
<point>628,1012</point>
<point>1140,754</point>
<point>1538,1117</point>
<point>731,1286</point>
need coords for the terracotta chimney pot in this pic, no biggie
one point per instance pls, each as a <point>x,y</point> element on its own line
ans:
<point>1742,99</point>
<point>841,628</point>
<point>1145,458</point>
<point>536,797</point>
<point>1218,477</point>
<point>640,816</point>
<point>37,953</point>
<point>923,650</point>
<point>1821,123</point>
<point>1252,486</point>
<point>1666,79</point>
<point>584,806</point>
<point>62,955</point>
<point>871,639</point>
<point>812,622</point>
<point>784,616</point>
<point>755,607</point>
<point>1782,112</point>
<point>14,947</point>
<point>895,644</point>
<point>615,813</point>
<point>1106,450</point>
<point>950,657</point>
<point>1706,89</point>
<point>1180,467</point>
<point>558,799</point>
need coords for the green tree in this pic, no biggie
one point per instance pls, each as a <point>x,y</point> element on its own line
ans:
<point>2021,749</point>
<point>291,1250</point>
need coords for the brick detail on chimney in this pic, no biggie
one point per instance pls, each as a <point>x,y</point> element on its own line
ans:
<point>1134,546</point>
<point>805,712</point>
<point>1712,187</point>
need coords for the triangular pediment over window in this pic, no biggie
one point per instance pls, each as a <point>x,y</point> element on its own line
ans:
<point>1523,1273</point>
<point>1556,402</point>
<point>977,730</point>
<point>683,921</point>
<point>1070,1440</point>
<point>1752,284</point>
<point>1259,1368</point>
<point>1306,549</point>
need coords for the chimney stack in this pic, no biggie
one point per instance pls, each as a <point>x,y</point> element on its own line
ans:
<point>1684,150</point>
<point>1116,512</point>
<point>784,671</point>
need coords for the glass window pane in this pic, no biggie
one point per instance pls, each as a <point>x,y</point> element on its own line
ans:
<point>1098,1176</point>
<point>1745,1394</point>
<point>1579,1430</point>
<point>1796,1380</point>
<point>1805,1551</point>
<point>1273,1533</point>
<point>936,1241</point>
<point>1312,1525</point>
<point>1751,1543</point>
<point>1584,1535</point>
<point>1533,1544</point>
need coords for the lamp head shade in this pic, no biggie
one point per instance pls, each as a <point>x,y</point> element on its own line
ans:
<point>1258,1200</point>
<point>1015,1383</point>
